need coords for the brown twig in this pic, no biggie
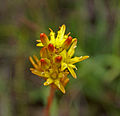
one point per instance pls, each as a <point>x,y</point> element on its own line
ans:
<point>49,103</point>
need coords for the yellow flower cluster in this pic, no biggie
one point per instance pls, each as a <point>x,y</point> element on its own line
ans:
<point>56,58</point>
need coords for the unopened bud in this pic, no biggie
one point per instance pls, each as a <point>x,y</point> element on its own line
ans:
<point>44,39</point>
<point>67,42</point>
<point>43,52</point>
<point>44,63</point>
<point>51,48</point>
<point>58,59</point>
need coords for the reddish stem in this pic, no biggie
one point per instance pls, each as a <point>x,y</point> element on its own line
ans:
<point>49,103</point>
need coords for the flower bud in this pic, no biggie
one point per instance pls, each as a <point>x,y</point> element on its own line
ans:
<point>58,59</point>
<point>67,42</point>
<point>43,52</point>
<point>44,63</point>
<point>44,39</point>
<point>51,48</point>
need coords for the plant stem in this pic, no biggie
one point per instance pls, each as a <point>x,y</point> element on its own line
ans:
<point>49,102</point>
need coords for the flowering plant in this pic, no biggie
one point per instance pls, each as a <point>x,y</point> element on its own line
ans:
<point>56,58</point>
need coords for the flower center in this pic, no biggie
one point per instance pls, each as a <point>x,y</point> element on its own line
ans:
<point>54,75</point>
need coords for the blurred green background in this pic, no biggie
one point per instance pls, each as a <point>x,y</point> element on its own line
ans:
<point>96,24</point>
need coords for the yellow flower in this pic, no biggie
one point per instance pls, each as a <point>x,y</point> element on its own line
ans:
<point>51,74</point>
<point>55,78</point>
<point>68,61</point>
<point>57,42</point>
<point>56,60</point>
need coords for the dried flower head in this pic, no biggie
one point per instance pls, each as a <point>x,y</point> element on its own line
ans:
<point>56,58</point>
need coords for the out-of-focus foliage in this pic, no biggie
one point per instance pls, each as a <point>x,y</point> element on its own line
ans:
<point>96,24</point>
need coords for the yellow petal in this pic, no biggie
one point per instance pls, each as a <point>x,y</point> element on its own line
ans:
<point>32,69</point>
<point>65,37</point>
<point>72,66</point>
<point>48,82</point>
<point>39,73</point>
<point>74,39</point>
<point>63,54</point>
<point>38,40</point>
<point>63,66</point>
<point>78,59</point>
<point>72,48</point>
<point>39,44</point>
<point>60,86</point>
<point>60,36</point>
<point>72,72</point>
<point>52,37</point>
<point>33,63</point>
<point>61,75</point>
<point>36,59</point>
<point>47,74</point>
